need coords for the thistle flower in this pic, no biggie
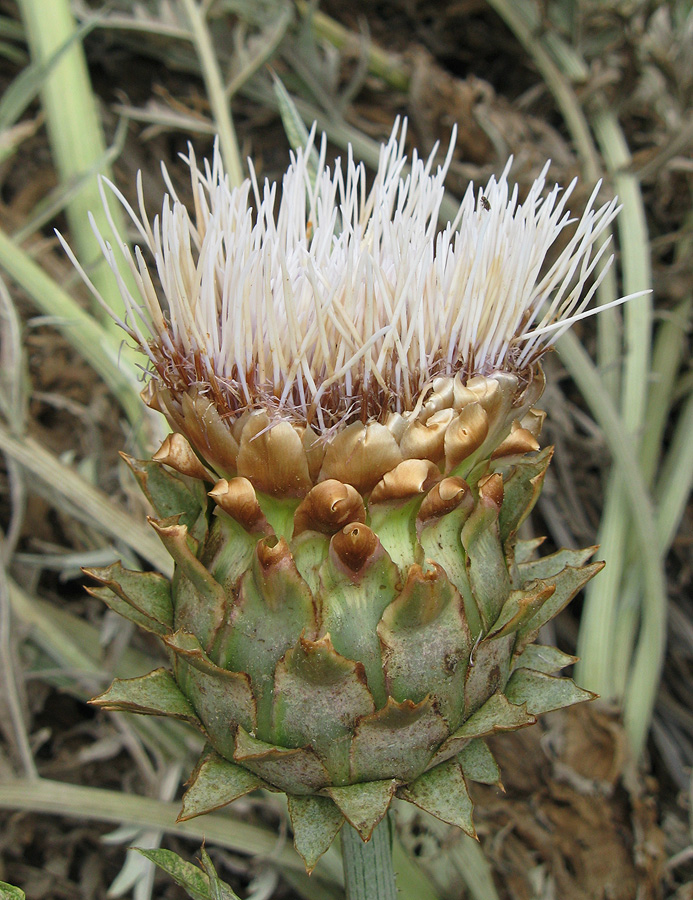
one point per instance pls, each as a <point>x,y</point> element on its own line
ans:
<point>354,389</point>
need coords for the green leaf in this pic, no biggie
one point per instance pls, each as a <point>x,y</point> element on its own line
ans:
<point>200,884</point>
<point>440,539</point>
<point>310,551</point>
<point>127,610</point>
<point>478,763</point>
<point>363,805</point>
<point>487,567</point>
<point>488,672</point>
<point>214,783</point>
<point>549,566</point>
<point>171,494</point>
<point>542,693</point>
<point>443,793</point>
<point>273,609</point>
<point>544,659</point>
<point>352,608</point>
<point>568,582</point>
<point>316,822</point>
<point>184,873</point>
<point>497,714</point>
<point>223,699</point>
<point>227,552</point>
<point>9,892</point>
<point>175,537</point>
<point>520,607</point>
<point>522,483</point>
<point>200,601</point>
<point>218,889</point>
<point>525,550</point>
<point>154,694</point>
<point>148,592</point>
<point>395,524</point>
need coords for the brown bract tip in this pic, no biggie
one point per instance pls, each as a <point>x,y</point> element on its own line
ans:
<point>426,439</point>
<point>272,456</point>
<point>519,441</point>
<point>491,491</point>
<point>360,455</point>
<point>271,557</point>
<point>465,434</point>
<point>409,478</point>
<point>354,544</point>
<point>533,421</point>
<point>328,507</point>
<point>150,396</point>
<point>445,496</point>
<point>177,453</point>
<point>238,499</point>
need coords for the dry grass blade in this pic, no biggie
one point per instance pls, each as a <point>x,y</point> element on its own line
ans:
<point>13,698</point>
<point>61,197</point>
<point>86,503</point>
<point>58,798</point>
<point>103,350</point>
<point>215,90</point>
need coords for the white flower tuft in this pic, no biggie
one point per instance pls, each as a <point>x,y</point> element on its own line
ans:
<point>336,302</point>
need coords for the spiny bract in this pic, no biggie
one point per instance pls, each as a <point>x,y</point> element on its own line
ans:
<point>355,449</point>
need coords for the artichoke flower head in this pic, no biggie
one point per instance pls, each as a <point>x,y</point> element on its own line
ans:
<point>355,445</point>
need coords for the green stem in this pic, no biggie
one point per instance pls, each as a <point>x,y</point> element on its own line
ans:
<point>368,872</point>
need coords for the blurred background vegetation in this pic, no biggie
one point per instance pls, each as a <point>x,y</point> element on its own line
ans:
<point>598,800</point>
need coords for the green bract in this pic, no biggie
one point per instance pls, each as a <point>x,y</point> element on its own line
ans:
<point>346,664</point>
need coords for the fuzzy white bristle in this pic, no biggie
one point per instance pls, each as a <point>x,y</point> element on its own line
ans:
<point>332,291</point>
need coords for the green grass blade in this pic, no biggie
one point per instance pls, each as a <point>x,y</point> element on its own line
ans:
<point>27,85</point>
<point>676,477</point>
<point>13,703</point>
<point>61,196</point>
<point>667,356</point>
<point>83,668</point>
<point>649,652</point>
<point>75,134</point>
<point>271,39</point>
<point>75,801</point>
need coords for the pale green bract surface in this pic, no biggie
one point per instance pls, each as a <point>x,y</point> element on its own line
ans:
<point>320,667</point>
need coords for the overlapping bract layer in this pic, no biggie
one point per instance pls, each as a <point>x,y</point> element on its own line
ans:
<point>347,646</point>
<point>453,426</point>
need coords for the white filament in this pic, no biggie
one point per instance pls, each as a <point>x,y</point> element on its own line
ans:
<point>332,286</point>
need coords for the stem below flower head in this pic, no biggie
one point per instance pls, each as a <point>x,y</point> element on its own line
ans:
<point>368,872</point>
